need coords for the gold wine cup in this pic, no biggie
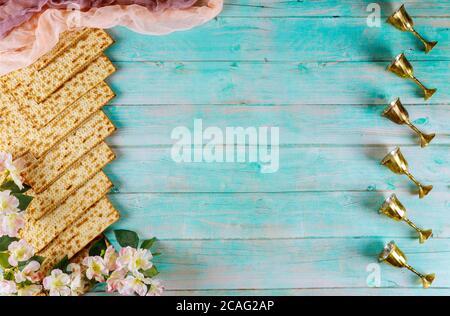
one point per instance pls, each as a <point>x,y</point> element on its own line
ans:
<point>397,113</point>
<point>392,255</point>
<point>403,68</point>
<point>394,209</point>
<point>397,163</point>
<point>401,20</point>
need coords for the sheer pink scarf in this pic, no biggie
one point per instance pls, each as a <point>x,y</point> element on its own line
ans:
<point>15,12</point>
<point>26,43</point>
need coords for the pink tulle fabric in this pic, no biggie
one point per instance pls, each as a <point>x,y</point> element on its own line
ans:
<point>15,12</point>
<point>29,41</point>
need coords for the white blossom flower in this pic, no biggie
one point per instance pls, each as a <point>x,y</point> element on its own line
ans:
<point>8,202</point>
<point>30,290</point>
<point>141,261</point>
<point>156,288</point>
<point>96,268</point>
<point>125,257</point>
<point>7,287</point>
<point>57,283</point>
<point>16,177</point>
<point>110,258</point>
<point>5,160</point>
<point>134,260</point>
<point>10,223</point>
<point>77,283</point>
<point>29,273</point>
<point>14,168</point>
<point>19,251</point>
<point>115,281</point>
<point>74,268</point>
<point>132,285</point>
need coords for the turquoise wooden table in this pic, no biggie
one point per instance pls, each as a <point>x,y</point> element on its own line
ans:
<point>317,71</point>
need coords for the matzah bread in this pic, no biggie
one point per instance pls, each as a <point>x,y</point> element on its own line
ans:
<point>40,233</point>
<point>51,118</point>
<point>23,75</point>
<point>43,113</point>
<point>15,130</point>
<point>39,84</point>
<point>48,136</point>
<point>43,172</point>
<point>69,182</point>
<point>10,137</point>
<point>5,100</point>
<point>75,237</point>
<point>67,39</point>
<point>17,135</point>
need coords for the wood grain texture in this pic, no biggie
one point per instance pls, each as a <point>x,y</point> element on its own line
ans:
<point>143,125</point>
<point>366,291</point>
<point>294,263</point>
<point>330,8</point>
<point>286,39</point>
<point>276,215</point>
<point>306,168</point>
<point>314,69</point>
<point>273,83</point>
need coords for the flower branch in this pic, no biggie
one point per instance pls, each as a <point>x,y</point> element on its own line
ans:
<point>128,271</point>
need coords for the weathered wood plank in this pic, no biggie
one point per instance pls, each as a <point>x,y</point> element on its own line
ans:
<point>289,64</point>
<point>276,215</point>
<point>369,291</point>
<point>299,124</point>
<point>287,39</point>
<point>314,292</point>
<point>294,263</point>
<point>273,83</point>
<point>148,169</point>
<point>330,8</point>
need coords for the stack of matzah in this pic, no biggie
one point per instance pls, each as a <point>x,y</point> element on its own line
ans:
<point>51,118</point>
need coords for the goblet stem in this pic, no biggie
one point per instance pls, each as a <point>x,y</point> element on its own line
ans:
<point>420,84</point>
<point>424,42</point>
<point>428,93</point>
<point>420,275</point>
<point>423,189</point>
<point>408,221</point>
<point>426,279</point>
<point>412,178</point>
<point>424,138</point>
<point>414,128</point>
<point>428,45</point>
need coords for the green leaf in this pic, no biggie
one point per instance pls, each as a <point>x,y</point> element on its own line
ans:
<point>39,259</point>
<point>98,288</point>
<point>127,238</point>
<point>62,265</point>
<point>11,186</point>
<point>156,254</point>
<point>98,248</point>
<point>152,272</point>
<point>9,275</point>
<point>147,244</point>
<point>5,241</point>
<point>4,260</point>
<point>24,200</point>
